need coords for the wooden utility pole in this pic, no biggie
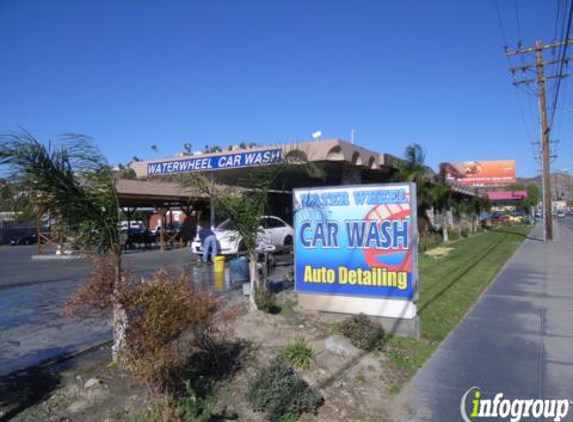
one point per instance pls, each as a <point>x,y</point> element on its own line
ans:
<point>545,164</point>
<point>540,80</point>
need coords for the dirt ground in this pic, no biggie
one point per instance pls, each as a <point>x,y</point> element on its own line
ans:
<point>86,389</point>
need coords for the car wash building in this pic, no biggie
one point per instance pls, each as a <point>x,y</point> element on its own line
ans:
<point>356,234</point>
<point>341,162</point>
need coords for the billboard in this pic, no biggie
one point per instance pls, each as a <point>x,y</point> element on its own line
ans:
<point>216,162</point>
<point>357,241</point>
<point>481,173</point>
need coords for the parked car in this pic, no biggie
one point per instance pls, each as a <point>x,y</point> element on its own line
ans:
<point>498,218</point>
<point>516,218</point>
<point>139,238</point>
<point>560,214</point>
<point>134,225</point>
<point>29,239</point>
<point>273,232</point>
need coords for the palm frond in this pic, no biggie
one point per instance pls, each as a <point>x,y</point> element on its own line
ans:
<point>70,179</point>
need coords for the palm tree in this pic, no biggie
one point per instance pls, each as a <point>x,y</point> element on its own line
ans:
<point>246,206</point>
<point>441,195</point>
<point>413,168</point>
<point>74,182</point>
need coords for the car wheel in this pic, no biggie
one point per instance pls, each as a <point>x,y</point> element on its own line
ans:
<point>288,241</point>
<point>26,242</point>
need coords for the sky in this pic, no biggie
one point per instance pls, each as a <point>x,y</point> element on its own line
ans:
<point>132,74</point>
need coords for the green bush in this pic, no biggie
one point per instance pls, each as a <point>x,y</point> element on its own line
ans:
<point>266,301</point>
<point>188,408</point>
<point>298,354</point>
<point>195,408</point>
<point>281,393</point>
<point>429,241</point>
<point>362,332</point>
<point>453,235</point>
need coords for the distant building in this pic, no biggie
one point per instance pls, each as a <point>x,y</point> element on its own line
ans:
<point>505,200</point>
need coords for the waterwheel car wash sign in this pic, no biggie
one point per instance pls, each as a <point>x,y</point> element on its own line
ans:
<point>216,162</point>
<point>357,241</point>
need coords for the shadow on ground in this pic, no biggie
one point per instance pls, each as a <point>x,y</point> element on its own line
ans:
<point>24,389</point>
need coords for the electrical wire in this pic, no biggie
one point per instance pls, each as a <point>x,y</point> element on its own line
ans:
<point>518,98</point>
<point>557,19</point>
<point>561,66</point>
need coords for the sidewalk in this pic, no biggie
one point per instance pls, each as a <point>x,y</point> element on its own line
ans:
<point>517,340</point>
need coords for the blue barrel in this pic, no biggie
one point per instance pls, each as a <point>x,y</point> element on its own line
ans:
<point>239,269</point>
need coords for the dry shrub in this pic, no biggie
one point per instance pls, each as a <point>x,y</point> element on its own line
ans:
<point>159,311</point>
<point>164,408</point>
<point>97,294</point>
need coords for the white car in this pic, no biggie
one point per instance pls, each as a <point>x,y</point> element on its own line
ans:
<point>274,232</point>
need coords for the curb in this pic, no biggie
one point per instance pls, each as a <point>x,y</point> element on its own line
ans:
<point>50,362</point>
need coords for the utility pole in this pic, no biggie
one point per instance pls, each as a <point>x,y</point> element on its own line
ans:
<point>540,79</point>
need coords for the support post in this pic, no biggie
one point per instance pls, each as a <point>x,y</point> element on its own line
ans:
<point>548,218</point>
<point>39,229</point>
<point>540,79</point>
<point>162,213</point>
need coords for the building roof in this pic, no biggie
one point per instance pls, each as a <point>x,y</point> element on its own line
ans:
<point>155,193</point>
<point>506,195</point>
<point>327,150</point>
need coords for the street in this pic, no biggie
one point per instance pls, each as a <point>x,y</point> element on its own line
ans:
<point>33,293</point>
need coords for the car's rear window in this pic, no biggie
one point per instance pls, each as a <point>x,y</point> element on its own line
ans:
<point>226,225</point>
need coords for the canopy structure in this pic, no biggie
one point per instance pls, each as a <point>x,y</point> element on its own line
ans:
<point>136,194</point>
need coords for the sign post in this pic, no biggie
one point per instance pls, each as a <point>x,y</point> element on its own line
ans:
<point>356,252</point>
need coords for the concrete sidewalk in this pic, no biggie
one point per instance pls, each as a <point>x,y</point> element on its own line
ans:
<point>517,340</point>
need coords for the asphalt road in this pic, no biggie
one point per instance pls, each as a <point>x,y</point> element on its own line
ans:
<point>33,293</point>
<point>517,340</point>
<point>17,268</point>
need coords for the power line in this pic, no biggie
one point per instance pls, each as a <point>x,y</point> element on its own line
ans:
<point>505,47</point>
<point>557,18</point>
<point>561,66</point>
<point>500,21</point>
<point>518,25</point>
<point>541,81</point>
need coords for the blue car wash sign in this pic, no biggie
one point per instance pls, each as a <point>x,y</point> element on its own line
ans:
<point>357,241</point>
<point>216,162</point>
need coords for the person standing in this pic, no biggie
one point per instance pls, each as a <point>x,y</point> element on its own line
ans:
<point>189,229</point>
<point>208,242</point>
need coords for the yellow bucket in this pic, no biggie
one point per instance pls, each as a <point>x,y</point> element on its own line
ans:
<point>219,280</point>
<point>219,264</point>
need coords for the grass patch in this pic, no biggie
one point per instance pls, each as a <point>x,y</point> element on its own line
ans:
<point>362,332</point>
<point>298,354</point>
<point>448,288</point>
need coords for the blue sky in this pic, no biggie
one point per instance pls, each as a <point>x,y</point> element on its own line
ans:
<point>136,73</point>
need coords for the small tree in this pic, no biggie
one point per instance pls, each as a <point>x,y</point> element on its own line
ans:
<point>442,200</point>
<point>246,205</point>
<point>413,168</point>
<point>533,195</point>
<point>74,182</point>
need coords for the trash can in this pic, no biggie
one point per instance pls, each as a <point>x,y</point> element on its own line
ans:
<point>219,264</point>
<point>239,269</point>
